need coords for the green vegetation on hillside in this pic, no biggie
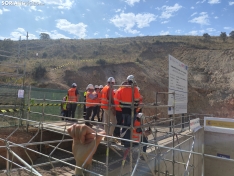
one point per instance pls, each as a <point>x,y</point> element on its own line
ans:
<point>50,54</point>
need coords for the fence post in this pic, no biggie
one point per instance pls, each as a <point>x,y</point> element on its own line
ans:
<point>170,127</point>
<point>182,121</point>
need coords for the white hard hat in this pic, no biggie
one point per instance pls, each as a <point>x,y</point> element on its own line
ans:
<point>111,79</point>
<point>101,86</point>
<point>140,115</point>
<point>90,86</point>
<point>130,78</point>
<point>74,85</point>
<point>96,87</point>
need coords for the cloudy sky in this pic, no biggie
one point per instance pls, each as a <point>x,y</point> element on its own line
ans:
<point>114,18</point>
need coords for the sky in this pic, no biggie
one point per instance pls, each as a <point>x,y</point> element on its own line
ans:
<point>92,19</point>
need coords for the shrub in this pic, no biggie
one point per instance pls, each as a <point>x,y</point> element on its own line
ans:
<point>206,37</point>
<point>138,60</point>
<point>39,72</point>
<point>44,55</point>
<point>95,53</point>
<point>157,42</point>
<point>74,56</point>
<point>232,34</point>
<point>124,50</point>
<point>223,36</point>
<point>101,62</point>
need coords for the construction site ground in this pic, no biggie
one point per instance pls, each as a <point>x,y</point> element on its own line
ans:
<point>115,157</point>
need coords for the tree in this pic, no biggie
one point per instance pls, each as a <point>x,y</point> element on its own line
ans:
<point>223,36</point>
<point>231,34</point>
<point>206,37</point>
<point>44,36</point>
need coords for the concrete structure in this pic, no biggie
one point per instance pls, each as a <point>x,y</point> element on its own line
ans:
<point>219,144</point>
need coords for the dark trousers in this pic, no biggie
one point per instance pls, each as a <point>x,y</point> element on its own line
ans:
<point>146,141</point>
<point>102,114</point>
<point>72,110</point>
<point>127,122</point>
<point>96,112</point>
<point>64,113</point>
<point>119,119</point>
<point>88,114</point>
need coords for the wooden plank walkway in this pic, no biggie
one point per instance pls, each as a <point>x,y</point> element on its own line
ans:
<point>117,150</point>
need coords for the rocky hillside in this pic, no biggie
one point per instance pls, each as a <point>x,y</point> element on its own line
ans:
<point>211,66</point>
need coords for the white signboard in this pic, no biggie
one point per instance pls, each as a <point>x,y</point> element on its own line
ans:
<point>20,93</point>
<point>194,124</point>
<point>178,83</point>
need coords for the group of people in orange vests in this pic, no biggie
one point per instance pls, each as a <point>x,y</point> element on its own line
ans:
<point>115,106</point>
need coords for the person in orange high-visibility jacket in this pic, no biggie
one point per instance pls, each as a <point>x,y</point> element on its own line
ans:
<point>125,99</point>
<point>109,112</point>
<point>91,97</point>
<point>118,109</point>
<point>96,108</point>
<point>73,96</point>
<point>137,132</point>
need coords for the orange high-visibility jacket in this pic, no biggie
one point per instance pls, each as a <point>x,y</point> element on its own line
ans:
<point>136,136</point>
<point>116,100</point>
<point>125,99</point>
<point>105,97</point>
<point>72,95</point>
<point>91,97</point>
<point>125,95</point>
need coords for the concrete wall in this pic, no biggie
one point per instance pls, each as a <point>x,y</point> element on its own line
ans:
<point>179,169</point>
<point>162,166</point>
<point>223,144</point>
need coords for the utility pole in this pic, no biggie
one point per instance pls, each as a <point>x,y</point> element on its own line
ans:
<point>19,47</point>
<point>26,47</point>
<point>23,99</point>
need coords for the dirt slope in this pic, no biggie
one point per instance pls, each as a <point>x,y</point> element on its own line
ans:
<point>210,78</point>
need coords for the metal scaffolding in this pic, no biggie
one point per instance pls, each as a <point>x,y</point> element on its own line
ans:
<point>159,159</point>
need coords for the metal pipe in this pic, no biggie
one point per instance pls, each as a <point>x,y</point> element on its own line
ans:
<point>23,162</point>
<point>186,169</point>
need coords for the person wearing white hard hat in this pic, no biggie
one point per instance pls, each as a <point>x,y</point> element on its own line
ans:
<point>125,98</point>
<point>73,96</point>
<point>118,110</point>
<point>137,132</point>
<point>96,108</point>
<point>107,100</point>
<point>91,97</point>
